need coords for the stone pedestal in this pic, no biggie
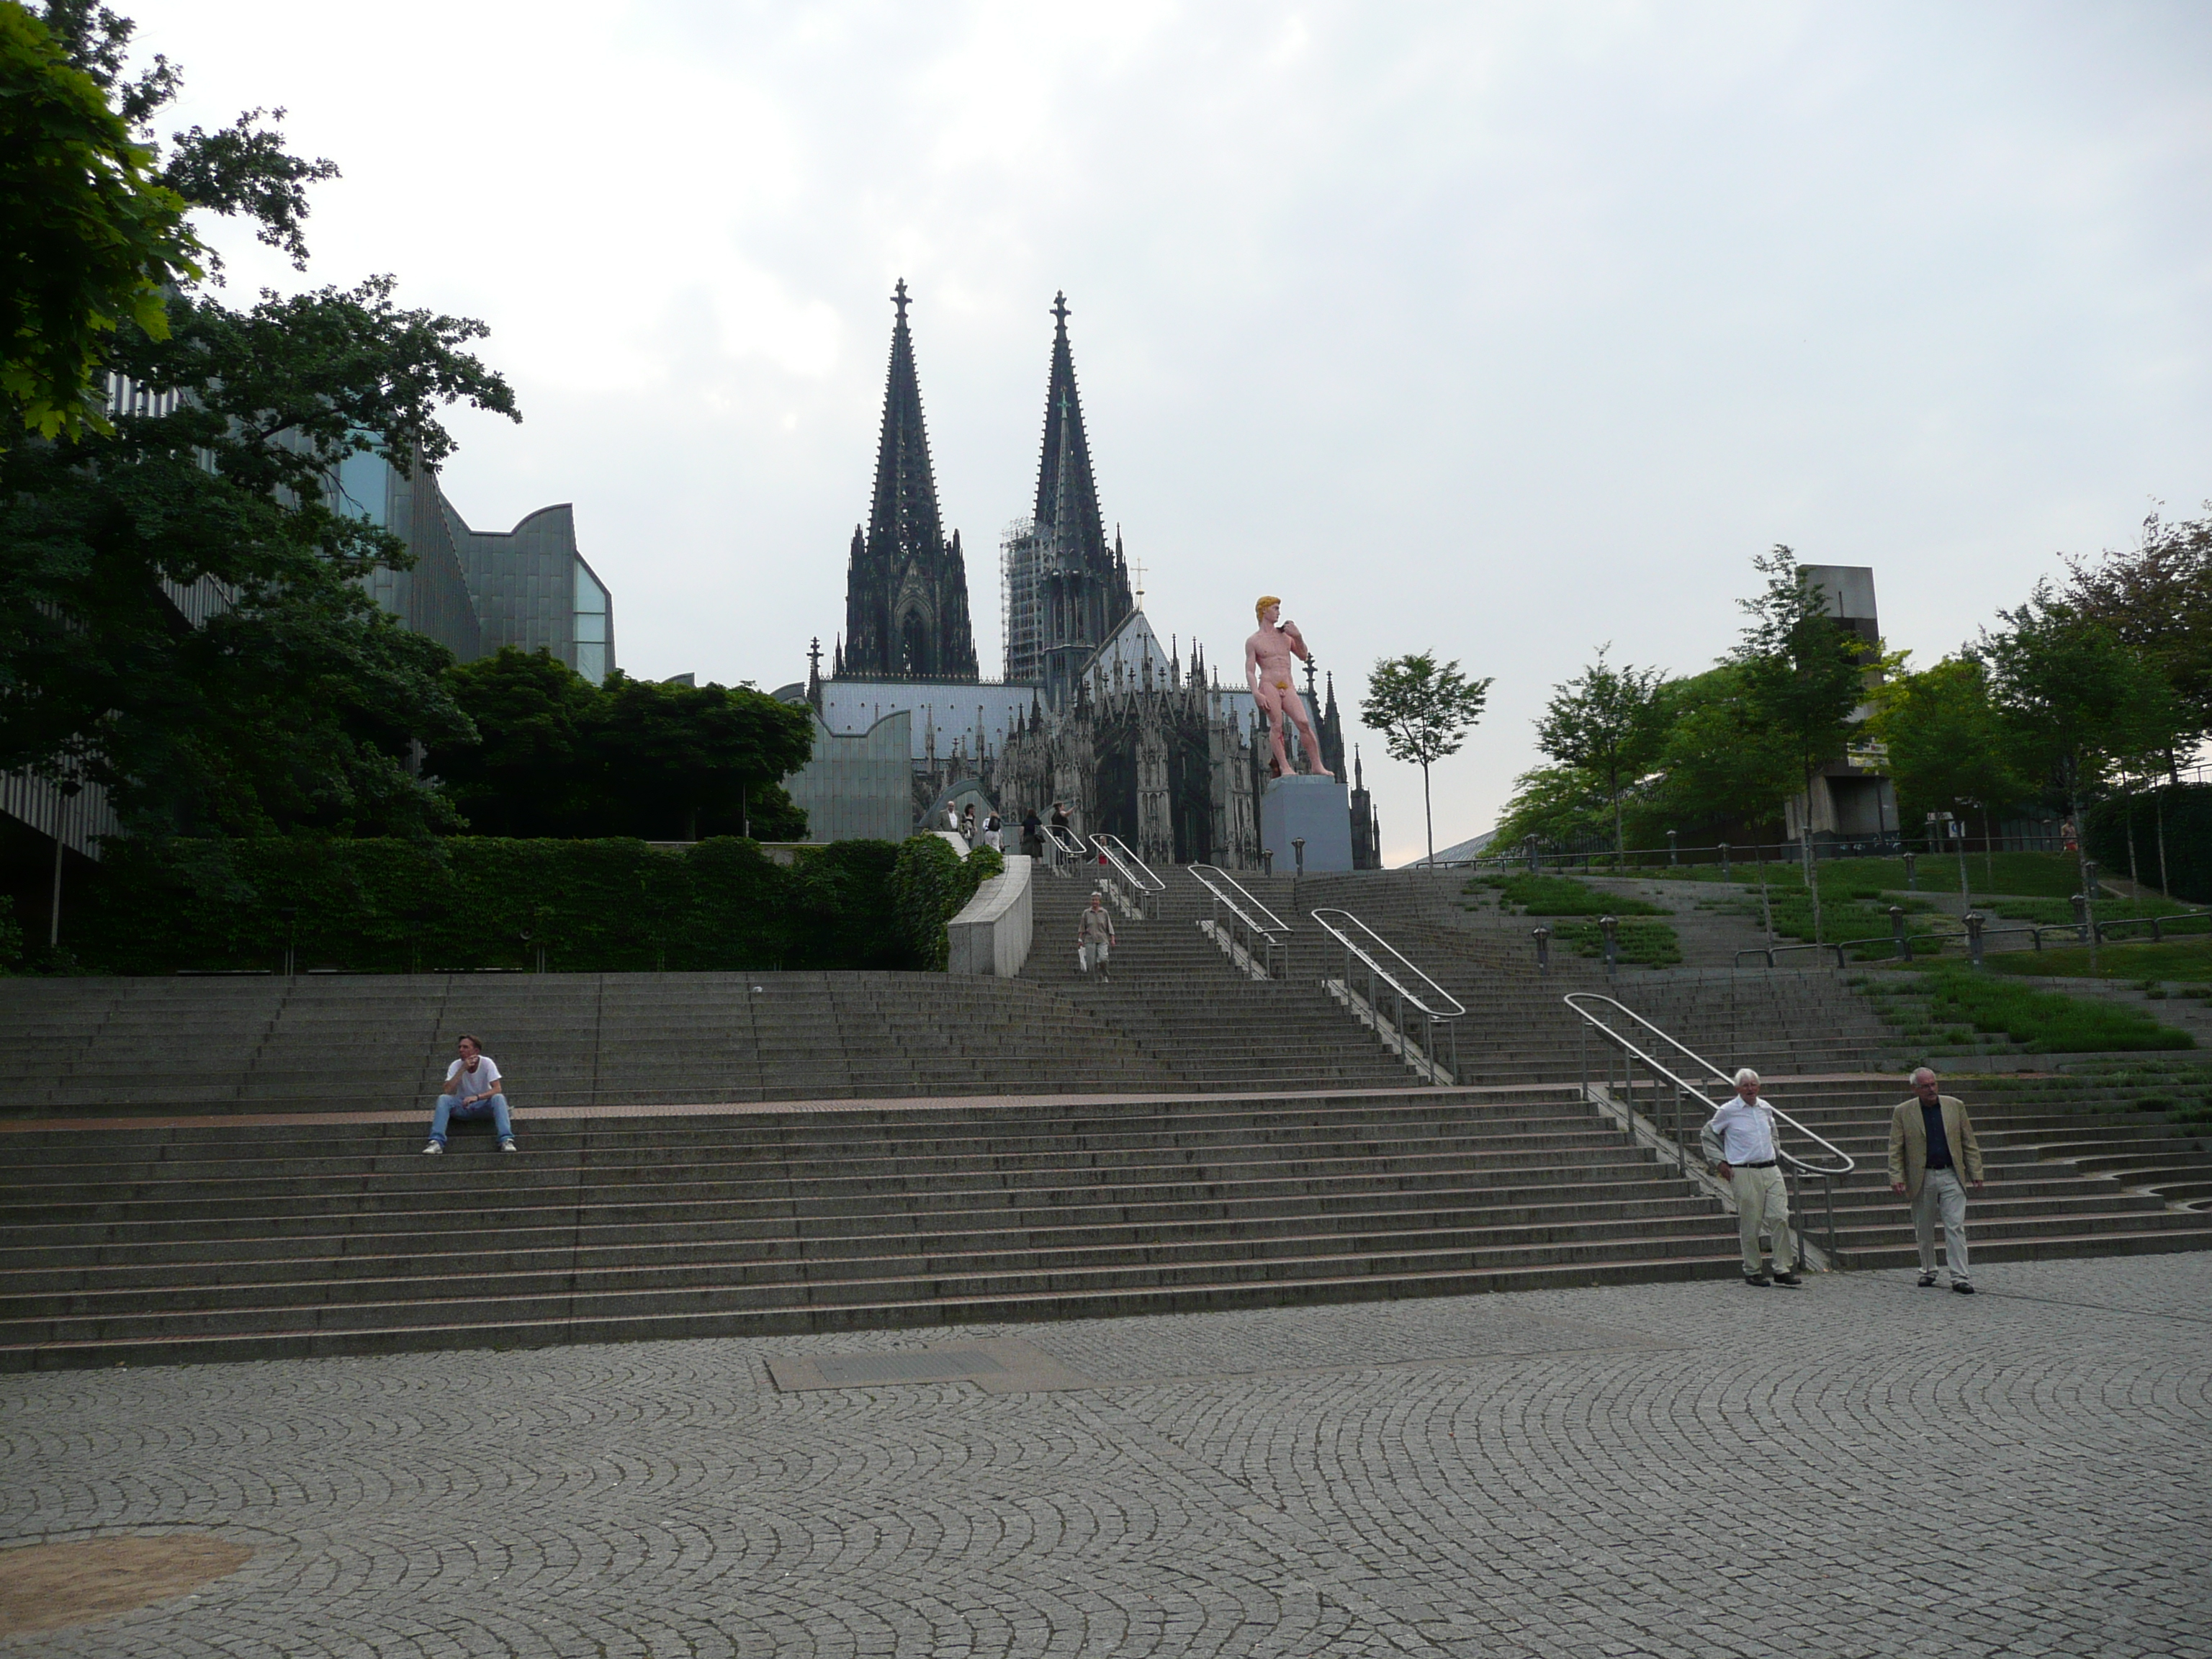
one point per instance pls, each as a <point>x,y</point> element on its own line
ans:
<point>1316,808</point>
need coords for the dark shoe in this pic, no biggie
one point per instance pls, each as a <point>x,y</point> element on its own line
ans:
<point>1963,1288</point>
<point>1927,1279</point>
<point>1788,1279</point>
<point>1757,1280</point>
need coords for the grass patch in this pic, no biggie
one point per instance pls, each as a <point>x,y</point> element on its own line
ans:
<point>2046,875</point>
<point>2183,959</point>
<point>2040,1022</point>
<point>1561,896</point>
<point>2059,912</point>
<point>1640,944</point>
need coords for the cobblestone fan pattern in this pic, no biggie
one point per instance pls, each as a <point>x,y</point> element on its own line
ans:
<point>1859,1468</point>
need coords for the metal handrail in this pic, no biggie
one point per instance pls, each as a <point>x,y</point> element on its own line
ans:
<point>1067,849</point>
<point>1632,1054</point>
<point>1138,888</point>
<point>1265,934</point>
<point>1434,1020</point>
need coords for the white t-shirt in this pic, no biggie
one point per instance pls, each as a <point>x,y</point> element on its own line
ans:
<point>484,1080</point>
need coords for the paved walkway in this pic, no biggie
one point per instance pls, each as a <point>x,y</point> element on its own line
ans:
<point>1857,1468</point>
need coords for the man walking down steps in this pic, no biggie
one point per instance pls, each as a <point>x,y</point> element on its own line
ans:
<point>1740,1142</point>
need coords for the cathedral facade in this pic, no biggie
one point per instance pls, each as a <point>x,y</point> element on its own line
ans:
<point>1135,737</point>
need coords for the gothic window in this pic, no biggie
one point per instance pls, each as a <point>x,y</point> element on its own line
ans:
<point>913,643</point>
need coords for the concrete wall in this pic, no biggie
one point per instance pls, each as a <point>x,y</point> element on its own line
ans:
<point>992,936</point>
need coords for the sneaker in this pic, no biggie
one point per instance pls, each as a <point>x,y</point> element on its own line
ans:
<point>1788,1279</point>
<point>433,1149</point>
<point>1759,1280</point>
<point>1963,1287</point>
<point>508,1146</point>
<point>1927,1278</point>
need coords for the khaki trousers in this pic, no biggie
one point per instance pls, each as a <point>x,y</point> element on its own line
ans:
<point>1762,1205</point>
<point>1941,1194</point>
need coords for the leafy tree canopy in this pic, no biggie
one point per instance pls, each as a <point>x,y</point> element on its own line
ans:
<point>551,754</point>
<point>1604,722</point>
<point>295,701</point>
<point>1422,709</point>
<point>2157,597</point>
<point>1949,751</point>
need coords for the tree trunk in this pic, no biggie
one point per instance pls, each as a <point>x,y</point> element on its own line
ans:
<point>1428,818</point>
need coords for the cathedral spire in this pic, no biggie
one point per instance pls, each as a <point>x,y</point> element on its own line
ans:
<point>906,589</point>
<point>1081,584</point>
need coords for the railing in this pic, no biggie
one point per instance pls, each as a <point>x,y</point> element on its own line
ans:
<point>1436,1009</point>
<point>1253,931</point>
<point>1673,1126</point>
<point>1063,851</point>
<point>1140,887</point>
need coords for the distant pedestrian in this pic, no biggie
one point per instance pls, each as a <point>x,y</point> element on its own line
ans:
<point>1032,833</point>
<point>1094,937</point>
<point>968,823</point>
<point>995,834</point>
<point>1931,1140</point>
<point>474,1089</point>
<point>1742,1146</point>
<point>1061,830</point>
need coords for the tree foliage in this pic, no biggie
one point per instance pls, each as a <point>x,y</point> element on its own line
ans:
<point>1422,709</point>
<point>1604,723</point>
<point>551,754</point>
<point>1948,749</point>
<point>1803,673</point>
<point>2156,598</point>
<point>294,701</point>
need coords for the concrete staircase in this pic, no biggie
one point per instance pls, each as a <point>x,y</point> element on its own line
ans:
<point>250,1183</point>
<point>149,1244</point>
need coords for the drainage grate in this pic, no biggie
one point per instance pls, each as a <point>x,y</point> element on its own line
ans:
<point>942,1366</point>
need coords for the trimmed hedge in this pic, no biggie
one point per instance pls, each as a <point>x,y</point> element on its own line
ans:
<point>2186,809</point>
<point>392,905</point>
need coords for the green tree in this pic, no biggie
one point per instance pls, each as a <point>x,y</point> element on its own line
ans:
<point>1423,710</point>
<point>679,755</point>
<point>2157,597</point>
<point>93,230</point>
<point>1560,805</point>
<point>1948,749</point>
<point>1719,764</point>
<point>2079,701</point>
<point>527,767</point>
<point>1604,722</point>
<point>296,701</point>
<point>1805,675</point>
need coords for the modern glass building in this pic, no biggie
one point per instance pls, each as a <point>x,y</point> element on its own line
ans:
<point>474,590</point>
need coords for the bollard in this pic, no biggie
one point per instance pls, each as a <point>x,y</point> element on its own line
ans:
<point>2082,916</point>
<point>1725,862</point>
<point>1897,932</point>
<point>1671,860</point>
<point>290,913</point>
<point>1266,861</point>
<point>1610,927</point>
<point>1973,939</point>
<point>1911,873</point>
<point>1543,937</point>
<point>1299,851</point>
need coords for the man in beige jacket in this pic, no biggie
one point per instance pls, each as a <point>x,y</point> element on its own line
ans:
<point>1931,1142</point>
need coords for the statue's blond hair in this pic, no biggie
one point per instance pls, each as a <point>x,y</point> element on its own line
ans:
<point>1259,605</point>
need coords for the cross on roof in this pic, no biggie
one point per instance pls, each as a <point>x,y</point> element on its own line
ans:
<point>1060,308</point>
<point>900,300</point>
<point>1138,566</point>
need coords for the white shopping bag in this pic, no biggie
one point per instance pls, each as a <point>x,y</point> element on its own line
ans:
<point>1082,960</point>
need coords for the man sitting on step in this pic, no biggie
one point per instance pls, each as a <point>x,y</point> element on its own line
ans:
<point>474,1089</point>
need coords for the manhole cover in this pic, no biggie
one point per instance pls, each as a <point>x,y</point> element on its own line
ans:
<point>48,1586</point>
<point>942,1366</point>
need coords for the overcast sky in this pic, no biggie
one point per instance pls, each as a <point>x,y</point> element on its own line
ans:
<point>1501,330</point>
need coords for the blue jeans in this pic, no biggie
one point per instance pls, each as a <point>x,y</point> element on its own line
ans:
<point>449,1107</point>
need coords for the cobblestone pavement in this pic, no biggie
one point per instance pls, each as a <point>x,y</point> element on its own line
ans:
<point>1857,1468</point>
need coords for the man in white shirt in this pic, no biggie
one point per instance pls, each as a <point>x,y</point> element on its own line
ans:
<point>1741,1143</point>
<point>474,1089</point>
